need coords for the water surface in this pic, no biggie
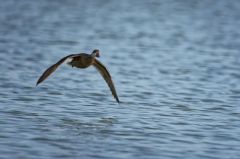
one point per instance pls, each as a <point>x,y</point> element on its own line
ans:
<point>175,66</point>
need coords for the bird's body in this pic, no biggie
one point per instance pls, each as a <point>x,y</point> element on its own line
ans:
<point>83,60</point>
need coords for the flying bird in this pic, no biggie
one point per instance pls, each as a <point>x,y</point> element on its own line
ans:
<point>83,60</point>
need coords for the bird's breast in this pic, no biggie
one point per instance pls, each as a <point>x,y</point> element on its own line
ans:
<point>80,62</point>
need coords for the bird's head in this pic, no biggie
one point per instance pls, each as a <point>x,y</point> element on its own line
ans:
<point>96,53</point>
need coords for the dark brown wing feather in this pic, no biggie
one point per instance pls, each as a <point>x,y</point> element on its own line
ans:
<point>107,77</point>
<point>51,69</point>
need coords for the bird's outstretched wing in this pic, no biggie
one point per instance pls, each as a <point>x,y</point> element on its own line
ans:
<point>107,77</point>
<point>51,69</point>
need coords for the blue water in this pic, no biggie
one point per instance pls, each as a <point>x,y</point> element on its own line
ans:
<point>175,65</point>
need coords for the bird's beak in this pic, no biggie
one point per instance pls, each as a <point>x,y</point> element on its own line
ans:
<point>97,54</point>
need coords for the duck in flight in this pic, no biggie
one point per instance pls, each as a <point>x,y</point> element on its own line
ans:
<point>83,60</point>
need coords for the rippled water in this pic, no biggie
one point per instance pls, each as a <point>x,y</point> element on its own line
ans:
<point>175,66</point>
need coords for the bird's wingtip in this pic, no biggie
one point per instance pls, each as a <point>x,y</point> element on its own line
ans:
<point>37,83</point>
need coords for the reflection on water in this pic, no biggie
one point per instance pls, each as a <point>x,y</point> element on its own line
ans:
<point>175,66</point>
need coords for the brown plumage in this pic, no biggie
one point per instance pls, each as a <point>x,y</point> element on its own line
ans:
<point>83,60</point>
